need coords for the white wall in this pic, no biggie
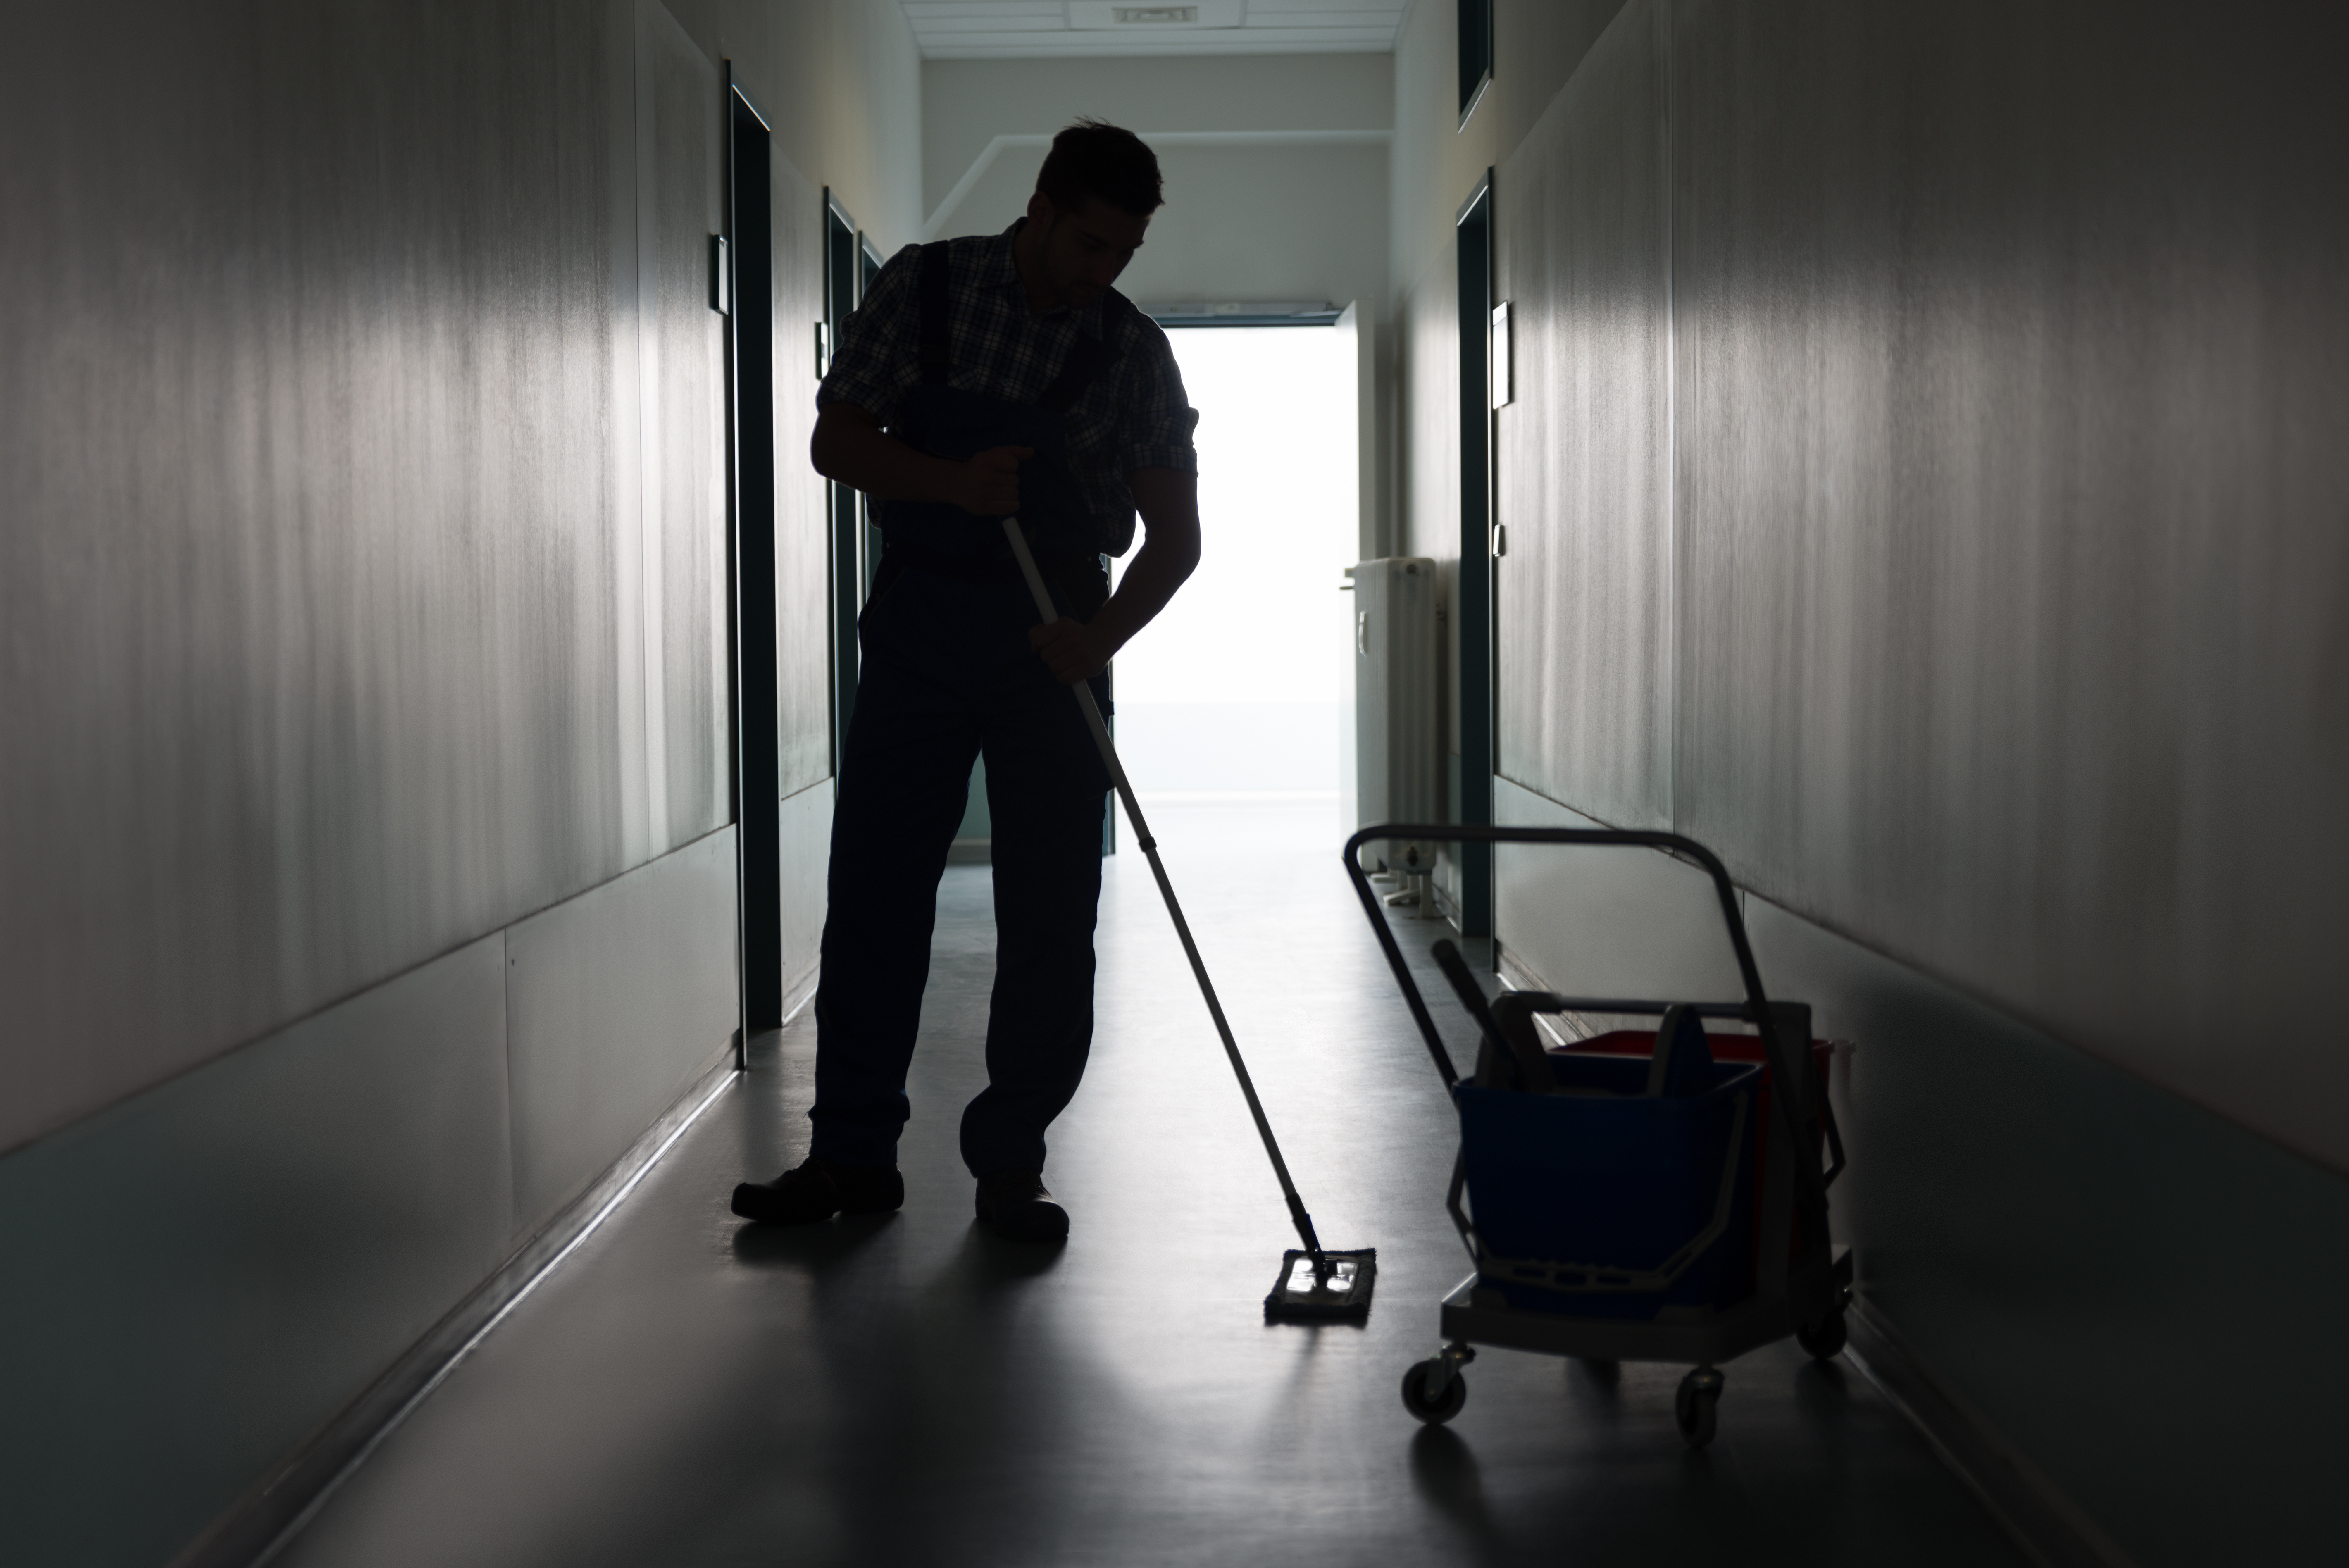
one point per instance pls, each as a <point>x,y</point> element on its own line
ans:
<point>841,84</point>
<point>966,102</point>
<point>1260,220</point>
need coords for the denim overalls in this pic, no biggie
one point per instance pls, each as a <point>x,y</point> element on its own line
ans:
<point>947,676</point>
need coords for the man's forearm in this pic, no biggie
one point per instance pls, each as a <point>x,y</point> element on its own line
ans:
<point>855,451</point>
<point>1169,504</point>
<point>1160,567</point>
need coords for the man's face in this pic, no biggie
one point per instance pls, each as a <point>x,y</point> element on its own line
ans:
<point>1084,250</point>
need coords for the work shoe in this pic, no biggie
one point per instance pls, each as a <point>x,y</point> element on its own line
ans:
<point>817,1190</point>
<point>1016,1207</point>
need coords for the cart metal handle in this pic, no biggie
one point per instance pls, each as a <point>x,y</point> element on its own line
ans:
<point>1787,1058</point>
<point>1758,1004</point>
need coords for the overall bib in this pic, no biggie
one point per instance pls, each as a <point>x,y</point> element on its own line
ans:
<point>948,676</point>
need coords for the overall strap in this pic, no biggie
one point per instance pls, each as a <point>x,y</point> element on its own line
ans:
<point>1088,358</point>
<point>936,354</point>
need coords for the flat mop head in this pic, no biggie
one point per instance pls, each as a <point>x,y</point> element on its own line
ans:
<point>1338,1287</point>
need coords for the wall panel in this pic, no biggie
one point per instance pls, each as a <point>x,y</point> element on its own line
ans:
<point>803,552</point>
<point>199,1276</point>
<point>2132,1293</point>
<point>2011,360</point>
<point>1605,922</point>
<point>680,128</point>
<point>616,1000</point>
<point>308,618</point>
<point>1584,609</point>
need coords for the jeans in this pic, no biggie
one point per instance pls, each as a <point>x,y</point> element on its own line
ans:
<point>948,676</point>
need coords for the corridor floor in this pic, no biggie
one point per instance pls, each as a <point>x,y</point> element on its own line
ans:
<point>690,1390</point>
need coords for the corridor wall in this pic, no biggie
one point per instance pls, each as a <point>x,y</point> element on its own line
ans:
<point>1289,204</point>
<point>1438,159</point>
<point>370,882</point>
<point>1920,488</point>
<point>839,82</point>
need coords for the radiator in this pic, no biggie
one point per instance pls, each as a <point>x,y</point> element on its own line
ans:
<point>1397,757</point>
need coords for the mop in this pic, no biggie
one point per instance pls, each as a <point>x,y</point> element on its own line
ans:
<point>1314,1282</point>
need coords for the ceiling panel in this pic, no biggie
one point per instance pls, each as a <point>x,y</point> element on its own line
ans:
<point>1032,29</point>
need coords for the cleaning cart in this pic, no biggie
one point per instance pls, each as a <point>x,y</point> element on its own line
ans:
<point>1644,1195</point>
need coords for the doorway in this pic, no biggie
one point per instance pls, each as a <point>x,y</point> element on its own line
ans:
<point>1239,691</point>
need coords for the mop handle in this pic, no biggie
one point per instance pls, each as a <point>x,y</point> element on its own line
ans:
<point>1149,847</point>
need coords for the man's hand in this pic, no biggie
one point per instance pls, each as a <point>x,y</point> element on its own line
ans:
<point>1169,505</point>
<point>851,446</point>
<point>1070,651</point>
<point>988,484</point>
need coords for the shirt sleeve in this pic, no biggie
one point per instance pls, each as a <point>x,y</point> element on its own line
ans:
<point>1159,418</point>
<point>876,357</point>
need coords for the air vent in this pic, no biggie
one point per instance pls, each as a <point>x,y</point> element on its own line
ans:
<point>1102,15</point>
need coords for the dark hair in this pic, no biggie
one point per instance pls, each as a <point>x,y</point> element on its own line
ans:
<point>1095,161</point>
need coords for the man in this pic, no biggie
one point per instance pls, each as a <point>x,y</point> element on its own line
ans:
<point>987,378</point>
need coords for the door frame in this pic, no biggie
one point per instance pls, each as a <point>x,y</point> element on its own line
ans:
<point>869,261</point>
<point>842,289</point>
<point>750,396</point>
<point>1472,802</point>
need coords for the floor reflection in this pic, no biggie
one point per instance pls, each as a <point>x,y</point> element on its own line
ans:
<point>1443,1472</point>
<point>909,1389</point>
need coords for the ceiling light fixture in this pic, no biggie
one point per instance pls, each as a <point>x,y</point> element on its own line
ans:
<point>1092,15</point>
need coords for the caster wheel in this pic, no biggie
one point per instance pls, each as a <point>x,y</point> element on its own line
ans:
<point>1824,1339</point>
<point>1434,1412</point>
<point>1696,1406</point>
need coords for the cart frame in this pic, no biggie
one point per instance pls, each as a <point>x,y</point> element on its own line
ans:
<point>1796,1292</point>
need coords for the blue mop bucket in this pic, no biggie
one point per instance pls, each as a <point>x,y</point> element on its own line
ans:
<point>1601,1204</point>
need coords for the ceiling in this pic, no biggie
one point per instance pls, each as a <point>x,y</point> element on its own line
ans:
<point>1048,29</point>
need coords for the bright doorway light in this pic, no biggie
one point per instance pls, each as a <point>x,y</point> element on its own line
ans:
<point>1241,686</point>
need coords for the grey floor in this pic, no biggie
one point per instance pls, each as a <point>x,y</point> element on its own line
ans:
<point>687,1390</point>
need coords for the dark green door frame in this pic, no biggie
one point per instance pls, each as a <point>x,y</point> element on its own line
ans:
<point>869,264</point>
<point>752,386</point>
<point>1472,803</point>
<point>842,281</point>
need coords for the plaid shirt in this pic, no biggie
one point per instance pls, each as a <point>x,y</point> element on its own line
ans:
<point>1133,415</point>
